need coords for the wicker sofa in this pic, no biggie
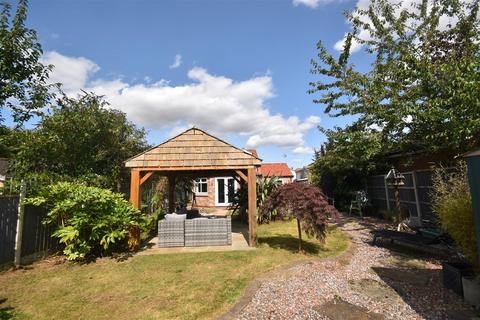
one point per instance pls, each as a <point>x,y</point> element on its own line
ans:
<point>196,232</point>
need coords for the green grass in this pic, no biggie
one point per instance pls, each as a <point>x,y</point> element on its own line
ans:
<point>173,286</point>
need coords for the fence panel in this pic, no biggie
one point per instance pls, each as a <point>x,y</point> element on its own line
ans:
<point>8,228</point>
<point>36,236</point>
<point>414,195</point>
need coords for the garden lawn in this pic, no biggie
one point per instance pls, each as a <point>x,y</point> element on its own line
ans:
<point>171,286</point>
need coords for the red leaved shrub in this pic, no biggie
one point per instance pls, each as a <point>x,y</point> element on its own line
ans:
<point>303,202</point>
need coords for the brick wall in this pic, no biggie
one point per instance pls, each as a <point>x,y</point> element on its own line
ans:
<point>208,200</point>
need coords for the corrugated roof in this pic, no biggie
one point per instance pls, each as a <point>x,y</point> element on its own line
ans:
<point>275,170</point>
<point>193,148</point>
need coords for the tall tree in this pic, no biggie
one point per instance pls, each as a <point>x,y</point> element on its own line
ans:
<point>81,137</point>
<point>423,88</point>
<point>23,78</point>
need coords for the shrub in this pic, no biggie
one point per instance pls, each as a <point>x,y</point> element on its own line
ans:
<point>265,186</point>
<point>303,202</point>
<point>453,203</point>
<point>89,220</point>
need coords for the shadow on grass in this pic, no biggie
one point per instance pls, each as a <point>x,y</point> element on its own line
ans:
<point>290,243</point>
<point>6,312</point>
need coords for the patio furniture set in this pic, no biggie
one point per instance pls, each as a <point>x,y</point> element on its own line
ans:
<point>194,230</point>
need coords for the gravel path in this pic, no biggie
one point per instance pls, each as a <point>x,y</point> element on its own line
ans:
<point>367,282</point>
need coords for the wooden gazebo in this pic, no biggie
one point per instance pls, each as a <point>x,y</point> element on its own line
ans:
<point>195,153</point>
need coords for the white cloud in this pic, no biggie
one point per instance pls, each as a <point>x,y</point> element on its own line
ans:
<point>402,5</point>
<point>217,104</point>
<point>303,150</point>
<point>72,72</point>
<point>177,62</point>
<point>311,3</point>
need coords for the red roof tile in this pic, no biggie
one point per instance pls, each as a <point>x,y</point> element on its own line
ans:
<point>275,170</point>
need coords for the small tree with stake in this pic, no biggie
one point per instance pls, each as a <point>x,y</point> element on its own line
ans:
<point>303,202</point>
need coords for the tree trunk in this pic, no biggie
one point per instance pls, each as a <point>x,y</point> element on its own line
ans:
<point>300,249</point>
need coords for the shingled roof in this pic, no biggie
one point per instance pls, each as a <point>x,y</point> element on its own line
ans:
<point>193,148</point>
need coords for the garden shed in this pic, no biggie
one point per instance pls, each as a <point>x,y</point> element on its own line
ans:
<point>195,153</point>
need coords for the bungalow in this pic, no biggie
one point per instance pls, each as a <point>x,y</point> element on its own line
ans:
<point>218,191</point>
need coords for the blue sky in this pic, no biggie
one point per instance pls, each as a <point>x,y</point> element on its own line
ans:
<point>241,71</point>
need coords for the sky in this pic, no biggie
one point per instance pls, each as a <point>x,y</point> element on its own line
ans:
<point>237,69</point>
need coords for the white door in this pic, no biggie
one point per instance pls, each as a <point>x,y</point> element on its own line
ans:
<point>224,191</point>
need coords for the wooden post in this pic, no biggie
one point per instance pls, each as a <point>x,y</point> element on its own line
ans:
<point>386,193</point>
<point>135,188</point>
<point>171,194</point>
<point>417,198</point>
<point>252,207</point>
<point>19,235</point>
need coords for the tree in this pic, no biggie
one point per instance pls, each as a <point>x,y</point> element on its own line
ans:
<point>81,137</point>
<point>304,202</point>
<point>23,78</point>
<point>422,91</point>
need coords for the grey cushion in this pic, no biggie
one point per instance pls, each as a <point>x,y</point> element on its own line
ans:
<point>176,217</point>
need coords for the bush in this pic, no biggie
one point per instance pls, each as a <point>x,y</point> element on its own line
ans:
<point>89,220</point>
<point>453,203</point>
<point>265,186</point>
<point>303,202</point>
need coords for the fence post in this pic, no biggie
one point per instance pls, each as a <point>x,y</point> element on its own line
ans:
<point>386,192</point>
<point>19,234</point>
<point>417,200</point>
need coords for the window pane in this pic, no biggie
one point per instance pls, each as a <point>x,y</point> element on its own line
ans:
<point>221,191</point>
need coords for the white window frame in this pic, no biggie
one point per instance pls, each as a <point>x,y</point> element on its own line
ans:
<point>235,188</point>
<point>197,183</point>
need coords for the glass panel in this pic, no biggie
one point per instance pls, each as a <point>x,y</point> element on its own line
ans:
<point>201,185</point>
<point>221,190</point>
<point>231,190</point>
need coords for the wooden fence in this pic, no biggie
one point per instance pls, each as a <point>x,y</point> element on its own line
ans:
<point>36,238</point>
<point>414,195</point>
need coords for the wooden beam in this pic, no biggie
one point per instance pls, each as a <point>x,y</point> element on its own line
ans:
<point>241,175</point>
<point>252,207</point>
<point>135,189</point>
<point>145,177</point>
<point>171,194</point>
<point>187,168</point>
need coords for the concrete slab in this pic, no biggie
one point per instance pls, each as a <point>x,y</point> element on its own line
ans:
<point>239,242</point>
